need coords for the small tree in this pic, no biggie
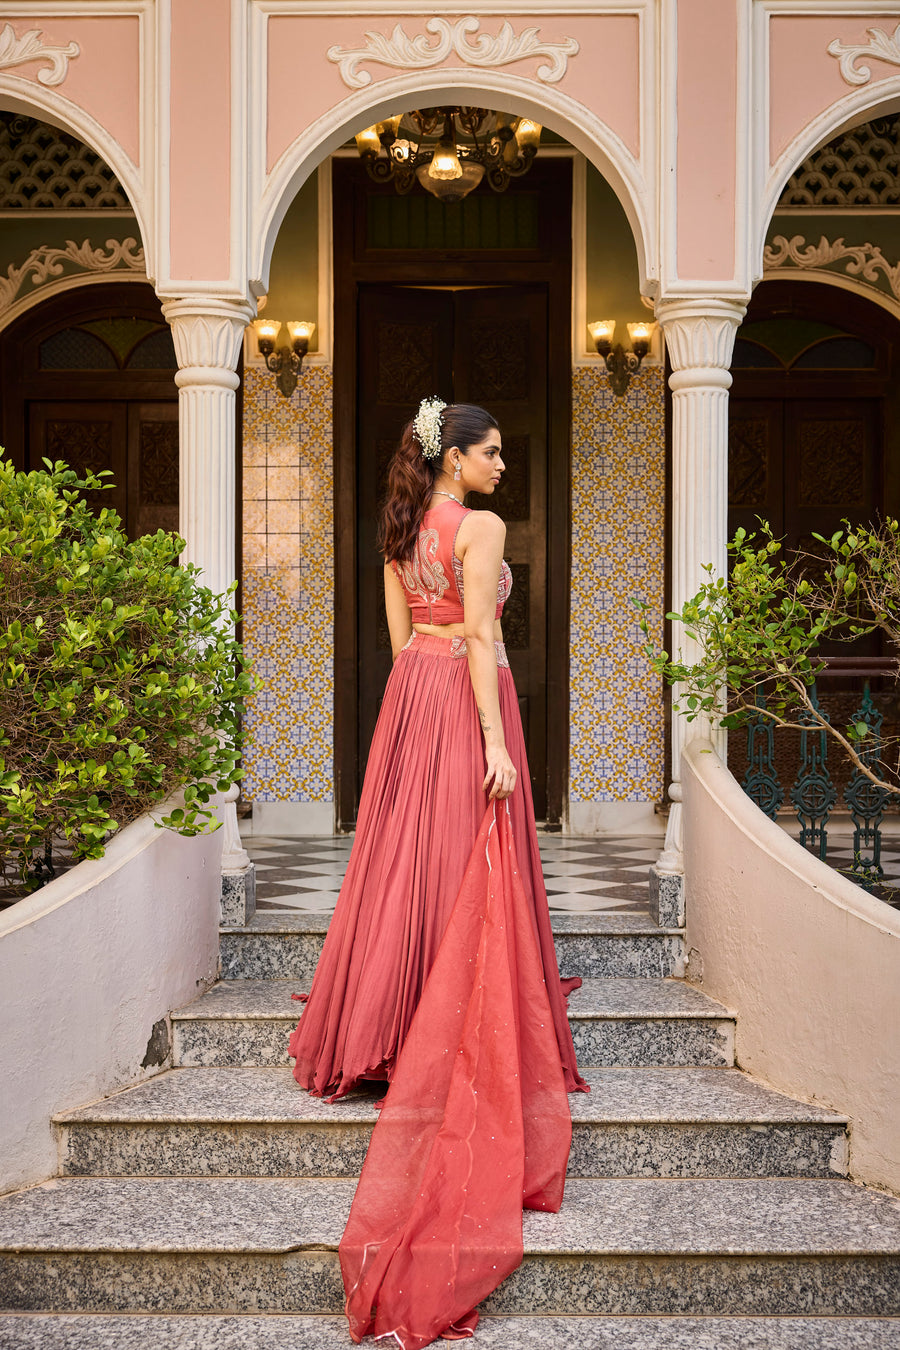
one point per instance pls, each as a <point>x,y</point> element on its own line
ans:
<point>760,632</point>
<point>120,680</point>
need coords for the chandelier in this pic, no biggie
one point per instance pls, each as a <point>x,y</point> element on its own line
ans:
<point>449,150</point>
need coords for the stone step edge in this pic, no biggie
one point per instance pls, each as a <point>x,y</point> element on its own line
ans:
<point>717,1012</point>
<point>77,1116</point>
<point>646,931</point>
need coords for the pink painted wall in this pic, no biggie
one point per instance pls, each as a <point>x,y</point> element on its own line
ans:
<point>804,79</point>
<point>705,155</point>
<point>104,79</point>
<point>603,75</point>
<point>200,163</point>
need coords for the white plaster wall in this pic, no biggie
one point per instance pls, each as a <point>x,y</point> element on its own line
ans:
<point>809,962</point>
<point>88,964</point>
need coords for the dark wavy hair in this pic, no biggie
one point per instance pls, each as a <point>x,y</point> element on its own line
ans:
<point>411,477</point>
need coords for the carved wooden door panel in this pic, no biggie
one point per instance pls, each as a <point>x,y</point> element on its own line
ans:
<point>500,362</point>
<point>138,442</point>
<point>485,345</point>
<point>756,465</point>
<point>152,467</point>
<point>89,437</point>
<point>405,355</point>
<point>832,465</point>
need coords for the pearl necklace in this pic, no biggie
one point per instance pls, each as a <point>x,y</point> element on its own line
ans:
<point>439,492</point>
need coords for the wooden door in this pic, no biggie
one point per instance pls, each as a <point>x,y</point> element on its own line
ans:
<point>88,377</point>
<point>501,364</point>
<point>832,466</point>
<point>89,437</point>
<point>406,354</point>
<point>485,345</point>
<point>756,465</point>
<point>517,243</point>
<point>136,442</point>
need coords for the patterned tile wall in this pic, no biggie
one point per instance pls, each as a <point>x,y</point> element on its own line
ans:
<point>618,546</point>
<point>618,485</point>
<point>288,587</point>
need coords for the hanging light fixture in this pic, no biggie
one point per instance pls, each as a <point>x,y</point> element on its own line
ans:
<point>449,151</point>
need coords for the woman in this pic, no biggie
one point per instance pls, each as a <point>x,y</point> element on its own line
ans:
<point>438,972</point>
<point>448,742</point>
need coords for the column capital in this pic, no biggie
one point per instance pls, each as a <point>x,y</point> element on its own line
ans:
<point>207,333</point>
<point>700,334</point>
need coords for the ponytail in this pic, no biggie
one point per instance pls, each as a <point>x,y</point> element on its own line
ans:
<point>411,477</point>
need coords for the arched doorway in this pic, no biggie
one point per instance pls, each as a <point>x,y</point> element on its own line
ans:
<point>486,321</point>
<point>814,438</point>
<point>814,411</point>
<point>88,377</point>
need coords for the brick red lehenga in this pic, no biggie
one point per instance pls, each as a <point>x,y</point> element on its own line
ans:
<point>439,974</point>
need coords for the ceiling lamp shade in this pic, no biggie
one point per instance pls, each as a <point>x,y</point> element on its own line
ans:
<point>449,151</point>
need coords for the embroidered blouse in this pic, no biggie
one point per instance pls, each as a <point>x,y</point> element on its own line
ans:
<point>432,579</point>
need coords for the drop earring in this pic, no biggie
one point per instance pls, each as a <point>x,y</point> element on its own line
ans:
<point>458,475</point>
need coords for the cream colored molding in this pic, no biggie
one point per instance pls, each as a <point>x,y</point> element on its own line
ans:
<point>16,51</point>
<point>700,336</point>
<point>207,334</point>
<point>48,263</point>
<point>416,53</point>
<point>880,47</point>
<point>859,260</point>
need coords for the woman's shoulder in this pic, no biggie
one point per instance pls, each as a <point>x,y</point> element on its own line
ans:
<point>481,527</point>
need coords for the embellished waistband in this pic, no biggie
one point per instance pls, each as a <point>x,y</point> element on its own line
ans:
<point>431,644</point>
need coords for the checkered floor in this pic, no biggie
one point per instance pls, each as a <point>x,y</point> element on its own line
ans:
<point>582,875</point>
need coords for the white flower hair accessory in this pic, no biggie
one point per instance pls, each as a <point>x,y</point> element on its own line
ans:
<point>427,426</point>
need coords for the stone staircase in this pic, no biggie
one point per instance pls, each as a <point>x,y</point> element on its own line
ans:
<point>204,1207</point>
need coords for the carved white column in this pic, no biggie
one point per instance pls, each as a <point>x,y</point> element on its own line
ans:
<point>700,338</point>
<point>208,334</point>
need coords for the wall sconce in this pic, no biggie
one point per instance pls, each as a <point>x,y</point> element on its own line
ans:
<point>621,364</point>
<point>284,363</point>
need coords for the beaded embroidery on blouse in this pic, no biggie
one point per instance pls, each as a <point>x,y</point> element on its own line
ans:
<point>504,585</point>
<point>422,576</point>
<point>458,649</point>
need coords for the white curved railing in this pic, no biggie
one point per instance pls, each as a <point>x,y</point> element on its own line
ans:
<point>809,962</point>
<point>89,965</point>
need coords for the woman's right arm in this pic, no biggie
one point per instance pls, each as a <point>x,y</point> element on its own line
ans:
<point>481,539</point>
<point>398,615</point>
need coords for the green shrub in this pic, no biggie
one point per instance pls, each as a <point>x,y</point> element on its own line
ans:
<point>120,679</point>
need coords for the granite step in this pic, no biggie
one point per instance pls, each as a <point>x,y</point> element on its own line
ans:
<point>91,1331</point>
<point>220,1122</point>
<point>618,1247</point>
<point>614,1021</point>
<point>276,946</point>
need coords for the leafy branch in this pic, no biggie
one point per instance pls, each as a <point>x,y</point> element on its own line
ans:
<point>759,634</point>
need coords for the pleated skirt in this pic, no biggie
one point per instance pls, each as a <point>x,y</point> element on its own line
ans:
<point>420,810</point>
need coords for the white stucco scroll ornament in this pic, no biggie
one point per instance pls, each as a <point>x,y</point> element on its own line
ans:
<point>859,260</point>
<point>49,262</point>
<point>452,37</point>
<point>880,47</point>
<point>17,51</point>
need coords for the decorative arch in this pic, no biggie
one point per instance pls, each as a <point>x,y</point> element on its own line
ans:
<point>841,283</point>
<point>69,283</point>
<point>861,105</point>
<point>35,100</point>
<point>546,104</point>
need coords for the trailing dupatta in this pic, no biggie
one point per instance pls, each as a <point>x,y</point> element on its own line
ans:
<point>475,1124</point>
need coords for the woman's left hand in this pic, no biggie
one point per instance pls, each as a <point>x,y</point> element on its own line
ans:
<point>501,772</point>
